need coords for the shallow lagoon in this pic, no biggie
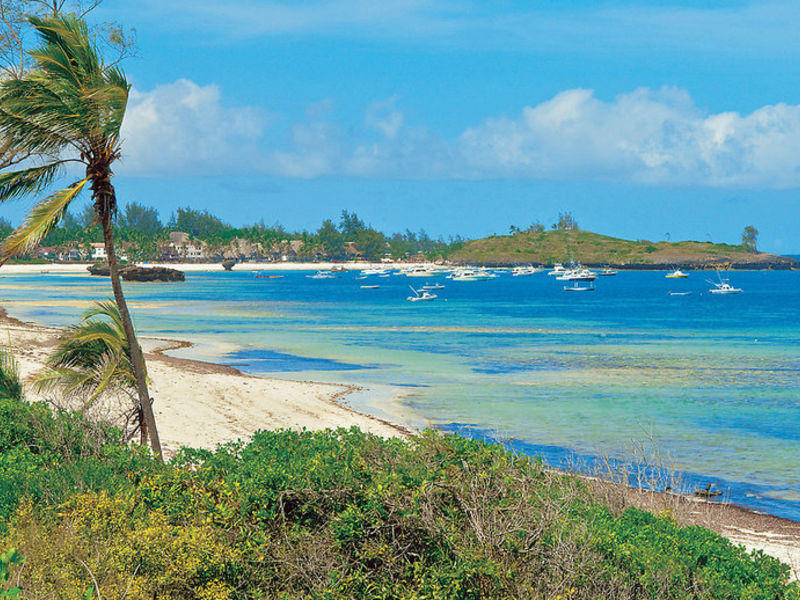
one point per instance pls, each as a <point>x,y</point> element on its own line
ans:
<point>712,382</point>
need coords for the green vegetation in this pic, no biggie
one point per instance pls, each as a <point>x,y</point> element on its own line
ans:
<point>334,514</point>
<point>750,239</point>
<point>567,244</point>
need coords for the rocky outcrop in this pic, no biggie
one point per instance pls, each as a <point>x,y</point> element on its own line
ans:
<point>134,273</point>
<point>228,264</point>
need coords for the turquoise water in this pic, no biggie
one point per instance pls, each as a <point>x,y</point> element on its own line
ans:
<point>712,383</point>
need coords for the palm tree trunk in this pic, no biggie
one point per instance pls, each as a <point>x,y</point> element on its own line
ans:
<point>148,423</point>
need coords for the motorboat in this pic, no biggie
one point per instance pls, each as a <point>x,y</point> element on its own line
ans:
<point>558,270</point>
<point>524,270</point>
<point>578,273</point>
<point>433,286</point>
<point>366,272</point>
<point>422,271</point>
<point>680,293</point>
<point>370,287</point>
<point>417,297</point>
<point>471,274</point>
<point>607,272</point>
<point>676,274</point>
<point>723,287</point>
<point>322,275</point>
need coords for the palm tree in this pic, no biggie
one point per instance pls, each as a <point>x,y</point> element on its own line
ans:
<point>93,357</point>
<point>10,381</point>
<point>69,109</point>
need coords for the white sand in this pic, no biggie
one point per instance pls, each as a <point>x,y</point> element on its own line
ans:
<point>189,267</point>
<point>201,405</point>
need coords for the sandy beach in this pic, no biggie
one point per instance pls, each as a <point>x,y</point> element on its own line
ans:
<point>202,404</point>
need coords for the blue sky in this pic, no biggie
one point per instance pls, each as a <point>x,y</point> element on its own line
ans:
<point>642,118</point>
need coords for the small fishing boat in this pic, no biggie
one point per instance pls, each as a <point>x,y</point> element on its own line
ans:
<point>607,272</point>
<point>370,287</point>
<point>676,274</point>
<point>417,297</point>
<point>433,286</point>
<point>723,287</point>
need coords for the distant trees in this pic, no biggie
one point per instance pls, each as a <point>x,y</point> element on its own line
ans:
<point>750,238</point>
<point>141,218</point>
<point>565,221</point>
<point>330,239</point>
<point>198,223</point>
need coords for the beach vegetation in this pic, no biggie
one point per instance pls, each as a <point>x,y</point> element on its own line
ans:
<point>337,514</point>
<point>92,358</point>
<point>68,108</point>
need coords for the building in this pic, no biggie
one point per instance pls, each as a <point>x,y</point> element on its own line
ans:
<point>98,251</point>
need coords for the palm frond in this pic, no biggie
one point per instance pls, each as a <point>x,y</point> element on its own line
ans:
<point>40,221</point>
<point>10,381</point>
<point>27,181</point>
<point>91,358</point>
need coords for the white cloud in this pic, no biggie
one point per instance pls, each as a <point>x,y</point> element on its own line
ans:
<point>656,137</point>
<point>183,127</point>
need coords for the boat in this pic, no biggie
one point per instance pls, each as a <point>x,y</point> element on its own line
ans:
<point>322,275</point>
<point>558,269</point>
<point>676,274</point>
<point>578,273</point>
<point>370,287</point>
<point>577,288</point>
<point>374,271</point>
<point>680,293</point>
<point>417,297</point>
<point>338,268</point>
<point>723,287</point>
<point>607,272</point>
<point>471,274</point>
<point>422,271</point>
<point>261,276</point>
<point>434,286</point>
<point>524,270</point>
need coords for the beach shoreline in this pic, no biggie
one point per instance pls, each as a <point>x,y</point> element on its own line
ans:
<point>204,404</point>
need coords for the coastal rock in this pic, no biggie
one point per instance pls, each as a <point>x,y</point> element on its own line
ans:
<point>228,264</point>
<point>152,274</point>
<point>134,273</point>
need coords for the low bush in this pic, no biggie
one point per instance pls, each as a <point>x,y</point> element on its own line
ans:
<point>343,514</point>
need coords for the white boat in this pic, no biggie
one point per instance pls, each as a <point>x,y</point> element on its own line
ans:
<point>366,272</point>
<point>578,273</point>
<point>422,271</point>
<point>434,286</point>
<point>558,269</point>
<point>417,297</point>
<point>577,288</point>
<point>676,274</point>
<point>370,287</point>
<point>680,293</point>
<point>522,271</point>
<point>723,287</point>
<point>470,274</point>
<point>322,275</point>
<point>607,272</point>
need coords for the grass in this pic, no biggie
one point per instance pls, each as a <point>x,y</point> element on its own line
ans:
<point>568,245</point>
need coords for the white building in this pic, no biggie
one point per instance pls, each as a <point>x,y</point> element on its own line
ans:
<point>98,251</point>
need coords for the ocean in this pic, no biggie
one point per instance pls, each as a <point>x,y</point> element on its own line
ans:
<point>706,386</point>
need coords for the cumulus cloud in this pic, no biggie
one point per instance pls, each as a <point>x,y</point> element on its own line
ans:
<point>653,137</point>
<point>183,127</point>
<point>656,137</point>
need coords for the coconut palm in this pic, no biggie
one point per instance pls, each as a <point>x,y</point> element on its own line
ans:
<point>91,358</point>
<point>68,110</point>
<point>10,381</point>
